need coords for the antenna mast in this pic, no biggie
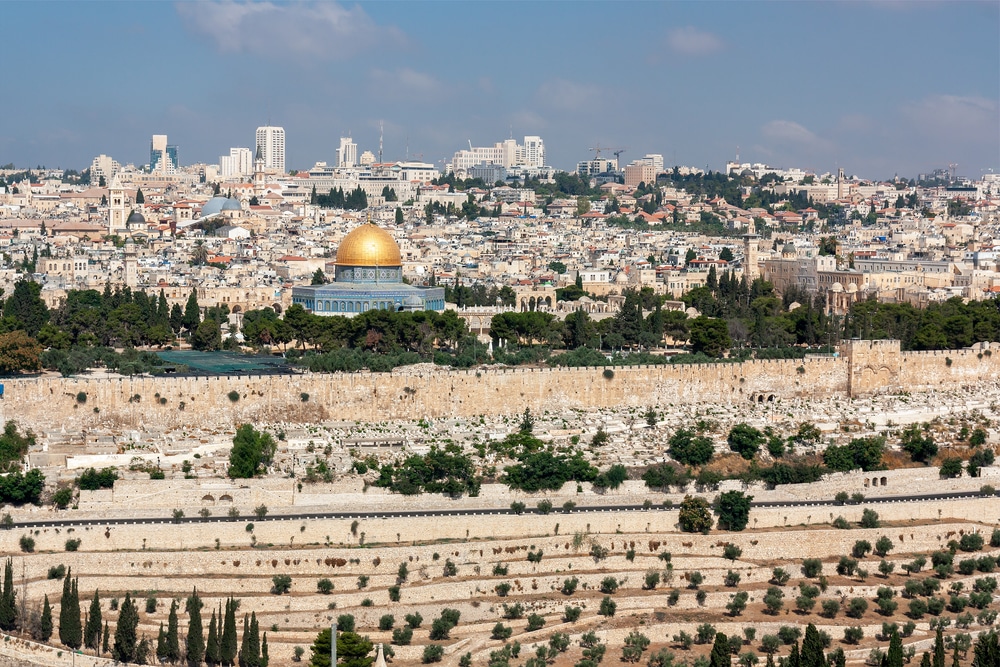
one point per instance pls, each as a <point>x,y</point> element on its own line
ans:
<point>380,133</point>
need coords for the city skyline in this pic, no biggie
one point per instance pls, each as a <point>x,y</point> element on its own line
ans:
<point>882,88</point>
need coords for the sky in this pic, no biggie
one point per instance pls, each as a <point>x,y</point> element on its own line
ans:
<point>878,88</point>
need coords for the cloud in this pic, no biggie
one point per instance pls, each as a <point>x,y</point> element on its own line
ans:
<point>564,95</point>
<point>405,83</point>
<point>791,133</point>
<point>953,116</point>
<point>324,30</point>
<point>690,41</point>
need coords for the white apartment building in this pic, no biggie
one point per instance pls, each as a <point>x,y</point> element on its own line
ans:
<point>271,146</point>
<point>105,166</point>
<point>238,163</point>
<point>347,154</point>
<point>507,154</point>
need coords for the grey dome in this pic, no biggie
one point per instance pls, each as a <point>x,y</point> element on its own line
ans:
<point>135,218</point>
<point>217,205</point>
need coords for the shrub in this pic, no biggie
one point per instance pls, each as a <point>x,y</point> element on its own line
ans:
<point>233,395</point>
<point>499,570</point>
<point>282,584</point>
<point>608,374</point>
<point>535,622</point>
<point>951,467</point>
<point>501,631</point>
<point>393,593</point>
<point>57,572</point>
<point>544,506</point>
<point>27,543</point>
<point>569,586</point>
<point>150,605</point>
<point>324,586</point>
<point>414,620</point>
<point>971,542</point>
<point>830,608</point>
<point>841,523</point>
<point>652,580</point>
<point>857,607</point>
<point>432,653</point>
<point>779,576</point>
<point>513,611</point>
<point>535,556</point>
<point>705,634</point>
<point>770,644</point>
<point>732,579</point>
<point>812,567</point>
<point>517,507</point>
<point>386,622</point>
<point>450,570</point>
<point>861,548</point>
<point>846,566</point>
<point>502,589</point>
<point>853,635</point>
<point>789,634</point>
<point>869,519</point>
<point>731,552</point>
<point>571,614</point>
<point>695,579</point>
<point>608,607</point>
<point>773,600</point>
<point>345,623</point>
<point>402,636</point>
<point>72,544</point>
<point>609,585</point>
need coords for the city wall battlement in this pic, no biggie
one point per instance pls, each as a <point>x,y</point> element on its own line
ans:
<point>862,368</point>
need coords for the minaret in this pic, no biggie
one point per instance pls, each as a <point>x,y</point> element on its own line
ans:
<point>118,212</point>
<point>131,265</point>
<point>750,254</point>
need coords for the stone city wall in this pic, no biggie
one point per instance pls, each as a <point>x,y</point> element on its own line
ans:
<point>865,367</point>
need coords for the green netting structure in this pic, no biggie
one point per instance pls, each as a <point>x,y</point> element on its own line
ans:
<point>223,363</point>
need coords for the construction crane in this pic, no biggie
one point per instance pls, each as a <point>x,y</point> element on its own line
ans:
<point>597,151</point>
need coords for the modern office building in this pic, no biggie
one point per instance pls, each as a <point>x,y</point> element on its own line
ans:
<point>104,167</point>
<point>271,145</point>
<point>507,154</point>
<point>162,156</point>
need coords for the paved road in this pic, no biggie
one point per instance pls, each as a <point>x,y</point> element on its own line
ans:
<point>456,512</point>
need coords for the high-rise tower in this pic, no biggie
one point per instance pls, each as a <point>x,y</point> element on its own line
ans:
<point>271,145</point>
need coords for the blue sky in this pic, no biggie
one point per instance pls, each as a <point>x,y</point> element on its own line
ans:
<point>878,88</point>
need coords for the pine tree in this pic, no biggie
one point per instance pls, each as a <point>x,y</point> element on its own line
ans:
<point>173,642</point>
<point>45,625</point>
<point>125,631</point>
<point>938,659</point>
<point>212,643</point>
<point>228,643</point>
<point>720,652</point>
<point>264,658</point>
<point>8,608</point>
<point>92,631</point>
<point>196,635</point>
<point>70,630</point>
<point>894,657</point>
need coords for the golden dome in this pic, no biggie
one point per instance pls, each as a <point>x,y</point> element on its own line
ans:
<point>368,245</point>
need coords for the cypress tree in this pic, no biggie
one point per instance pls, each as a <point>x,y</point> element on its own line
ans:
<point>938,659</point>
<point>894,657</point>
<point>196,635</point>
<point>770,658</point>
<point>104,644</point>
<point>264,658</point>
<point>720,652</point>
<point>212,644</point>
<point>8,609</point>
<point>125,631</point>
<point>253,646</point>
<point>45,625</point>
<point>955,661</point>
<point>92,631</point>
<point>161,644</point>
<point>245,642</point>
<point>812,648</point>
<point>925,661</point>
<point>173,642</point>
<point>192,313</point>
<point>795,658</point>
<point>228,643</point>
<point>70,631</point>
